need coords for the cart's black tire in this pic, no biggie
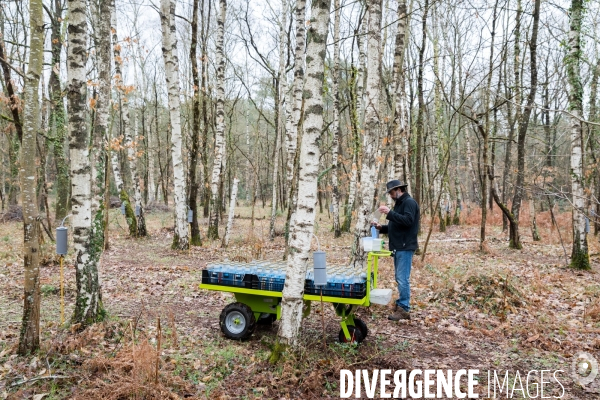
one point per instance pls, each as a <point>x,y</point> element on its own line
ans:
<point>355,335</point>
<point>237,321</point>
<point>266,319</point>
<point>360,324</point>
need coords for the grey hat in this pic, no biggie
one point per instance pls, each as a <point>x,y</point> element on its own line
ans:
<point>393,184</point>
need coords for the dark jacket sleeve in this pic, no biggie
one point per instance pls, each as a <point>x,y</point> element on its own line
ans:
<point>384,229</point>
<point>407,218</point>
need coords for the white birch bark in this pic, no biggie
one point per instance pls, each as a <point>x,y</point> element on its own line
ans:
<point>114,161</point>
<point>248,164</point>
<point>213,227</point>
<point>335,126</point>
<point>300,238</point>
<point>169,39</point>
<point>132,156</point>
<point>372,131</point>
<point>580,257</point>
<point>297,88</point>
<point>102,106</point>
<point>88,303</point>
<point>116,143</point>
<point>29,339</point>
<point>281,123</point>
<point>101,134</point>
<point>122,93</point>
<point>151,182</point>
<point>362,58</point>
<point>234,190</point>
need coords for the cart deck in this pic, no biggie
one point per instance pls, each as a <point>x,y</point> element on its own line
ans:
<point>238,320</point>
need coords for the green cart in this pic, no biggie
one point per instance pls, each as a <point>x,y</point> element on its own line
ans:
<point>254,306</point>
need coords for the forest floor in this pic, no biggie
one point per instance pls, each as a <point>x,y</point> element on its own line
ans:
<point>498,310</point>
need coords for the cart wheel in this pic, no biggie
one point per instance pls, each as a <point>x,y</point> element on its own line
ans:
<point>266,319</point>
<point>237,321</point>
<point>360,324</point>
<point>355,335</point>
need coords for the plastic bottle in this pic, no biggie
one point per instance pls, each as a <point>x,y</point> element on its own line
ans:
<point>374,232</point>
<point>214,273</point>
<point>348,285</point>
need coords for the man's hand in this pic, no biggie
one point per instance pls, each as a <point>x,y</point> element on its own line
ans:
<point>384,209</point>
<point>376,225</point>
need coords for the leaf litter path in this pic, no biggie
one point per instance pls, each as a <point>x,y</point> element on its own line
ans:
<point>460,320</point>
<point>450,329</point>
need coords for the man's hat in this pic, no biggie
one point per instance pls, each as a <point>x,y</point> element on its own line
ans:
<point>393,184</point>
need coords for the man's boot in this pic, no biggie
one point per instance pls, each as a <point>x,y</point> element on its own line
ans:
<point>398,314</point>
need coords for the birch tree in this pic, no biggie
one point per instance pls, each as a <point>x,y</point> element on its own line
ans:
<point>234,190</point>
<point>169,49</point>
<point>117,143</point>
<point>29,339</point>
<point>213,223</point>
<point>297,87</point>
<point>131,144</point>
<point>281,114</point>
<point>400,125</point>
<point>292,302</point>
<point>296,103</point>
<point>372,130</point>
<point>57,114</point>
<point>88,303</point>
<point>101,133</point>
<point>580,257</point>
<point>355,100</point>
<point>335,126</point>
<point>195,239</point>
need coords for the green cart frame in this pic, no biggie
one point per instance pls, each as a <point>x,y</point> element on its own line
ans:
<point>238,320</point>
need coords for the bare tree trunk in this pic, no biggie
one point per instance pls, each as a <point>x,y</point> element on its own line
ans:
<point>372,131</point>
<point>515,241</point>
<point>234,190</point>
<point>151,178</point>
<point>58,115</point>
<point>29,339</point>
<point>88,304</point>
<point>354,100</point>
<point>118,143</point>
<point>100,182</point>
<point>249,167</point>
<point>594,140</point>
<point>400,126</point>
<point>472,173</point>
<point>291,305</point>
<point>13,97</point>
<point>204,98</point>
<point>213,223</point>
<point>281,115</point>
<point>335,128</point>
<point>131,144</point>
<point>195,240</point>
<point>292,134</point>
<point>180,238</point>
<point>439,142</point>
<point>580,257</point>
<point>421,113</point>
<point>485,133</point>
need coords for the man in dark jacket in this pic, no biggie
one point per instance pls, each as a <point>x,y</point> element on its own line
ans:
<point>402,230</point>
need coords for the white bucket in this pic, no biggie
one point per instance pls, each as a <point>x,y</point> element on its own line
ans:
<point>376,246</point>
<point>380,296</point>
<point>367,243</point>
